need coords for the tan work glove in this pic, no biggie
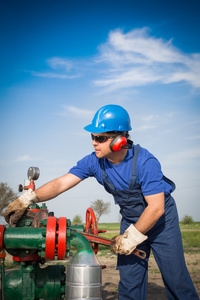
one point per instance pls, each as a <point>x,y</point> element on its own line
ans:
<point>127,242</point>
<point>16,209</point>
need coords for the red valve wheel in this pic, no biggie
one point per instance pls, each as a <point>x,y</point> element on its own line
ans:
<point>50,238</point>
<point>2,228</point>
<point>62,236</point>
<point>91,226</point>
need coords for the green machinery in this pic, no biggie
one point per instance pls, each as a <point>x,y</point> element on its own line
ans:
<point>40,237</point>
<point>36,239</point>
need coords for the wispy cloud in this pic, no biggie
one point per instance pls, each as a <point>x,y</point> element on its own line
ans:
<point>182,158</point>
<point>53,75</point>
<point>63,68</point>
<point>147,118</point>
<point>153,121</point>
<point>58,62</point>
<point>136,58</point>
<point>144,127</point>
<point>78,112</point>
<point>25,157</point>
<point>131,59</point>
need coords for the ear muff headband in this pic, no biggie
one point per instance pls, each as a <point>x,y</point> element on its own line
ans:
<point>118,142</point>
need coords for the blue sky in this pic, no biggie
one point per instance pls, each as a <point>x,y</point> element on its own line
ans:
<point>63,60</point>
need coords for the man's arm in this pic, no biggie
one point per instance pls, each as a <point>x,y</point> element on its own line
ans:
<point>152,213</point>
<point>48,191</point>
<point>135,234</point>
<point>56,187</point>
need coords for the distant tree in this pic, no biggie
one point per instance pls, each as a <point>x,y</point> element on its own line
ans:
<point>187,220</point>
<point>77,219</point>
<point>100,208</point>
<point>7,195</point>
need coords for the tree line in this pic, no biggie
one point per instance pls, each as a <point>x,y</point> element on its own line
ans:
<point>100,207</point>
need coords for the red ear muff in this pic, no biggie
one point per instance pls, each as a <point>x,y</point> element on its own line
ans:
<point>118,143</point>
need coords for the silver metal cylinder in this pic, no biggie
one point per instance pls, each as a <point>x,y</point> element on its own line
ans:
<point>83,282</point>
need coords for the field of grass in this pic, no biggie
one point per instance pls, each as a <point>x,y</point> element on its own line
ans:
<point>108,226</point>
<point>191,239</point>
<point>116,226</point>
<point>193,225</point>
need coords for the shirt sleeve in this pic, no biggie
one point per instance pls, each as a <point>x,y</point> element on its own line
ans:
<point>150,177</point>
<point>83,168</point>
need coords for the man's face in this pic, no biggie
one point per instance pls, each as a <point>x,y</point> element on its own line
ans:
<point>102,150</point>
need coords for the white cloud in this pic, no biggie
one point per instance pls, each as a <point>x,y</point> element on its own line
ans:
<point>54,75</point>
<point>64,69</point>
<point>78,112</point>
<point>136,58</point>
<point>181,158</point>
<point>24,158</point>
<point>130,59</point>
<point>147,118</point>
<point>58,62</point>
<point>139,47</point>
<point>144,127</point>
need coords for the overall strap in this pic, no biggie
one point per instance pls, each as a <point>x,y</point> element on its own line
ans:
<point>170,182</point>
<point>134,166</point>
<point>109,186</point>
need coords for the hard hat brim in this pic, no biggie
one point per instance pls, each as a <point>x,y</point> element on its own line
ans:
<point>91,128</point>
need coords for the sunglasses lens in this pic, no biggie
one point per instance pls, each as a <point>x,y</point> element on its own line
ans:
<point>99,138</point>
<point>102,139</point>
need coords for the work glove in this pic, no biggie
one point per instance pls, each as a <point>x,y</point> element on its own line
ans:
<point>127,242</point>
<point>16,209</point>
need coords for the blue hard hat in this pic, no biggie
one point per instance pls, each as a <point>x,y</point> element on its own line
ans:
<point>110,118</point>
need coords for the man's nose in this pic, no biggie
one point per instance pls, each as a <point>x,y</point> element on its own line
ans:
<point>94,143</point>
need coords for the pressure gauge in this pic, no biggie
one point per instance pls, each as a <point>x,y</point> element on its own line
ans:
<point>33,173</point>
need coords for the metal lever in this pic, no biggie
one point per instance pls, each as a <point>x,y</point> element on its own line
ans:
<point>107,242</point>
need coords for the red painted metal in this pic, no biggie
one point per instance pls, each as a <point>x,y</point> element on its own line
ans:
<point>30,186</point>
<point>2,228</point>
<point>107,242</point>
<point>91,226</point>
<point>50,238</point>
<point>32,257</point>
<point>62,236</point>
<point>97,239</point>
<point>2,255</point>
<point>102,230</point>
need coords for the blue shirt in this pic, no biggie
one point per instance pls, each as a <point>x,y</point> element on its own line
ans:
<point>149,174</point>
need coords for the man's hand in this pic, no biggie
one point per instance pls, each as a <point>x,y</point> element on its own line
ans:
<point>17,208</point>
<point>127,242</point>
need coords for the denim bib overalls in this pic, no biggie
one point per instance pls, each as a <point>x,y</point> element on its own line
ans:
<point>164,239</point>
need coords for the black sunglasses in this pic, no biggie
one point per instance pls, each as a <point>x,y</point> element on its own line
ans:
<point>101,138</point>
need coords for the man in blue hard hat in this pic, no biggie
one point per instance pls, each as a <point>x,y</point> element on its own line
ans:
<point>149,215</point>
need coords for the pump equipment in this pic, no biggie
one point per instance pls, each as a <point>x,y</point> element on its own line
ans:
<point>40,237</point>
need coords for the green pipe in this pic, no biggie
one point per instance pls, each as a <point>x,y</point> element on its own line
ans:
<point>35,238</point>
<point>2,260</point>
<point>24,238</point>
<point>80,242</point>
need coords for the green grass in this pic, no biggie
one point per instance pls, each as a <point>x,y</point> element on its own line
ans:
<point>109,226</point>
<point>191,239</point>
<point>116,226</point>
<point>193,225</point>
<point>104,250</point>
<point>109,235</point>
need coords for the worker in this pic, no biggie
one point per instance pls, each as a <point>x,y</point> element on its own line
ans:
<point>149,215</point>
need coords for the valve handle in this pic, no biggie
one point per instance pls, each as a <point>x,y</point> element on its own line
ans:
<point>91,226</point>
